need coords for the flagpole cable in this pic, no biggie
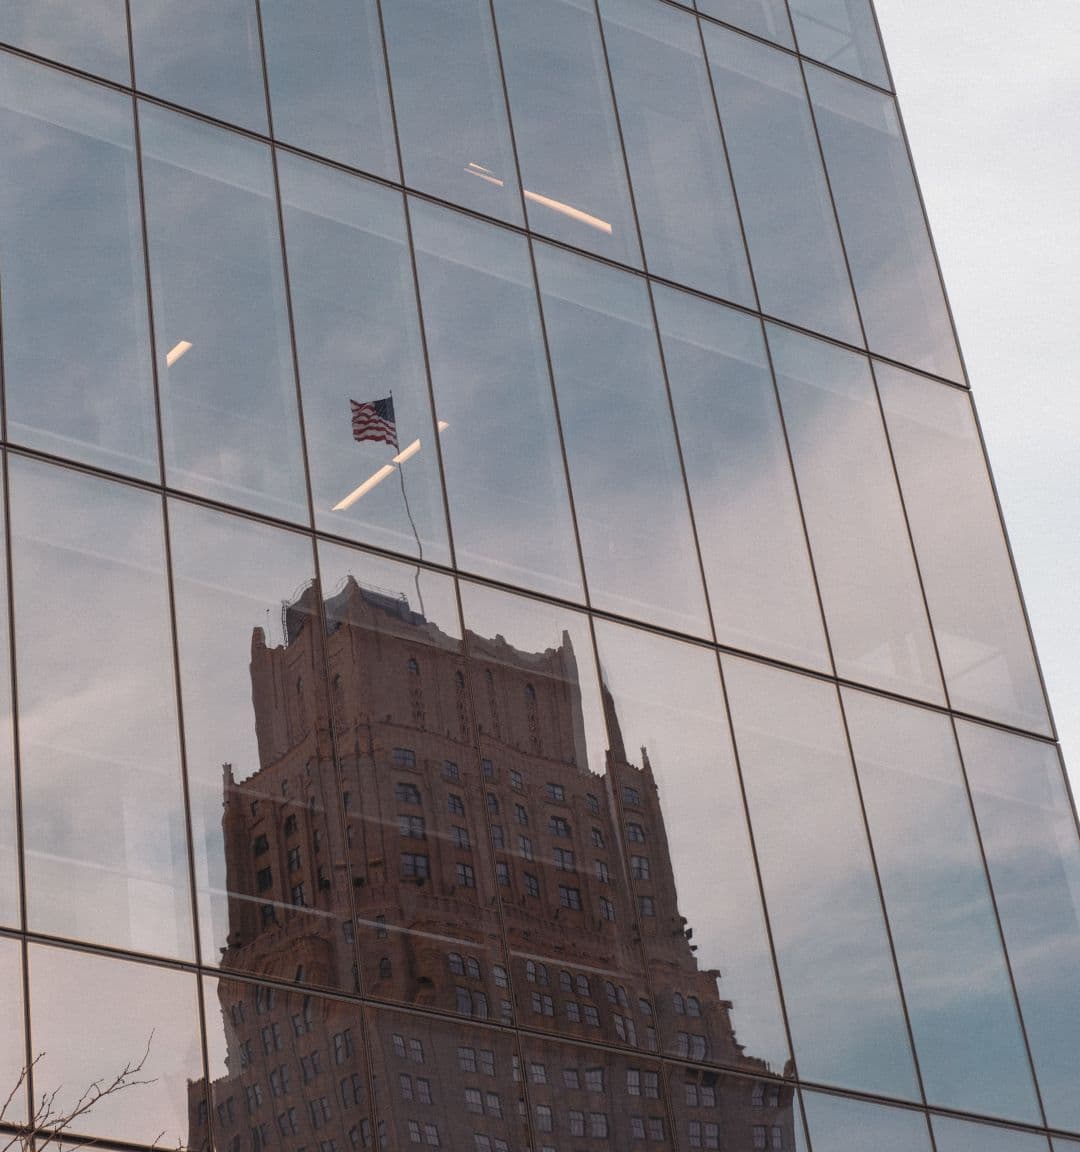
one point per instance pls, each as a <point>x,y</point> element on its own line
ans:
<point>412,522</point>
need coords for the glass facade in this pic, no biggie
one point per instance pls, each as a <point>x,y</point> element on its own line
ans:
<point>508,641</point>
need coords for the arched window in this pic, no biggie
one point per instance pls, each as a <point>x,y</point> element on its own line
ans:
<point>680,1004</point>
<point>472,967</point>
<point>693,1006</point>
<point>456,964</point>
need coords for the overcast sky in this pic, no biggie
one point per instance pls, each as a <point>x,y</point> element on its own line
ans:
<point>990,92</point>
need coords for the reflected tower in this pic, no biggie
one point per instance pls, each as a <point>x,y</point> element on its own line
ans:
<point>428,859</point>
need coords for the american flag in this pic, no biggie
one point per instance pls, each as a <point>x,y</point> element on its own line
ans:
<point>374,420</point>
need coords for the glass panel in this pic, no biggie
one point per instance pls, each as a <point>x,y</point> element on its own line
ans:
<point>979,623</point>
<point>636,534</point>
<point>681,823</point>
<point>92,37</point>
<point>416,810</point>
<point>836,971</point>
<point>767,18</point>
<point>948,947</point>
<point>228,395</point>
<point>77,363</point>
<point>282,1064</point>
<point>220,74</point>
<point>869,583</point>
<point>682,190</point>
<point>841,1125</point>
<point>892,264</point>
<point>841,33</point>
<point>446,1084</point>
<point>358,343</point>
<point>952,1135</point>
<point>103,808</point>
<point>12,1040</point>
<point>78,994</point>
<point>265,813</point>
<point>761,585</point>
<point>610,1099</point>
<point>541,727</point>
<point>711,1110</point>
<point>567,136</point>
<point>505,476</point>
<point>1029,833</point>
<point>328,89</point>
<point>790,226</point>
<point>451,110</point>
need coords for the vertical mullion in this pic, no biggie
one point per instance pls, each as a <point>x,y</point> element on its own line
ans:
<point>531,245</point>
<point>768,350</point>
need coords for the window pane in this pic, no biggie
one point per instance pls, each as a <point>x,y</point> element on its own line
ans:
<point>471,1073</point>
<point>664,699</point>
<point>952,1135</point>
<point>837,974</point>
<point>892,263</point>
<point>287,1060</point>
<point>12,1040</point>
<point>77,366</point>
<point>981,632</point>
<point>358,341</point>
<point>841,1125</point>
<point>767,18</point>
<point>873,604</point>
<point>228,395</point>
<point>636,535</point>
<point>761,586</point>
<point>841,33</point>
<point>504,470</point>
<point>90,37</point>
<point>451,110</point>
<point>567,138</point>
<point>254,695</point>
<point>948,947</point>
<point>220,74</point>
<point>103,810</point>
<point>76,994</point>
<point>681,186</point>
<point>328,81</point>
<point>790,227</point>
<point>404,728</point>
<point>1029,833</point>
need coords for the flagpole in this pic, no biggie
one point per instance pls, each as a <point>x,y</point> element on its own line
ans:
<point>412,522</point>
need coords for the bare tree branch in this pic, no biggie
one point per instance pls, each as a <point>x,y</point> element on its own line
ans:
<point>50,1123</point>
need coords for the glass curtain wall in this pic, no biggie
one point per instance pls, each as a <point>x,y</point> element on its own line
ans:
<point>507,639</point>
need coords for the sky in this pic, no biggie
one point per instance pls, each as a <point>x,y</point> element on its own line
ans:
<point>990,93</point>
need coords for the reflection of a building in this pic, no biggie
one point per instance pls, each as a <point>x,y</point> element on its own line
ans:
<point>440,858</point>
